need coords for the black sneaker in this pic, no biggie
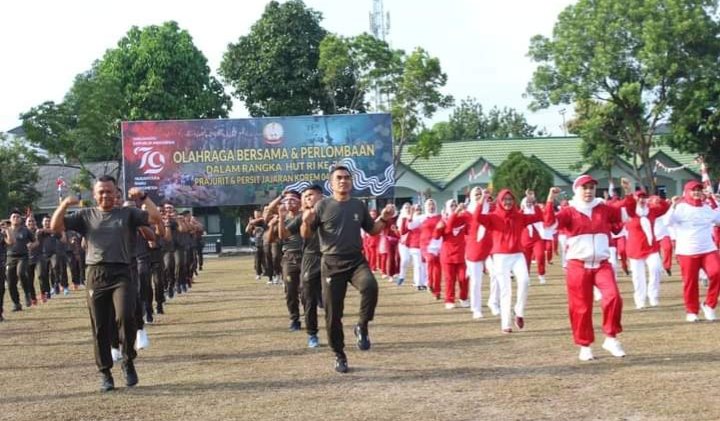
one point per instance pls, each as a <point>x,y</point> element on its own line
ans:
<point>107,383</point>
<point>160,309</point>
<point>363,339</point>
<point>131,377</point>
<point>16,307</point>
<point>341,365</point>
<point>669,272</point>
<point>149,318</point>
<point>294,326</point>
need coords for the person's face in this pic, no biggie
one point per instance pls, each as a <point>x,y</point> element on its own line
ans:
<point>430,207</point>
<point>373,213</point>
<point>118,198</point>
<point>453,206</point>
<point>477,195</point>
<point>508,202</point>
<point>169,210</point>
<point>642,201</point>
<point>105,194</point>
<point>342,182</point>
<point>15,219</point>
<point>588,192</point>
<point>291,202</point>
<point>257,214</point>
<point>417,209</point>
<point>30,223</point>
<point>697,193</point>
<point>310,198</point>
<point>46,223</point>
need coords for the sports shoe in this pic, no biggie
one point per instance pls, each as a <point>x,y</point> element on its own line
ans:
<point>477,315</point>
<point>160,309</point>
<point>33,302</point>
<point>654,303</point>
<point>519,322</point>
<point>465,303</point>
<point>449,306</point>
<point>294,326</point>
<point>16,307</point>
<point>43,297</point>
<point>313,341</point>
<point>341,365</point>
<point>691,317</point>
<point>131,377</point>
<point>507,330</point>
<point>494,309</point>
<point>586,354</point>
<point>106,381</point>
<point>542,279</point>
<point>400,281</point>
<point>149,318</point>
<point>612,345</point>
<point>597,295</point>
<point>669,272</point>
<point>115,354</point>
<point>66,291</point>
<point>709,313</point>
<point>28,302</point>
<point>257,277</point>
<point>141,340</point>
<point>363,338</point>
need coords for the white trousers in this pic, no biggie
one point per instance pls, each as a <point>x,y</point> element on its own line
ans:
<point>404,260</point>
<point>493,301</point>
<point>474,271</point>
<point>504,265</point>
<point>646,288</point>
<point>419,269</point>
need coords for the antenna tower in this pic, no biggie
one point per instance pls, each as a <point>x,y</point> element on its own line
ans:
<point>380,28</point>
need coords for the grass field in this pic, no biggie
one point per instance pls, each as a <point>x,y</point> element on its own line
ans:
<point>223,352</point>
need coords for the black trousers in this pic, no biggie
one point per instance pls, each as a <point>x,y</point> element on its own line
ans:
<point>277,258</point>
<point>59,266</point>
<point>2,287</point>
<point>260,261</point>
<point>169,271</point>
<point>292,265</point>
<point>44,274</point>
<point>312,290</point>
<point>31,278</point>
<point>156,278</point>
<point>111,300</point>
<point>16,268</point>
<point>268,255</point>
<point>200,258</point>
<point>146,287</point>
<point>74,265</point>
<point>335,281</point>
<point>180,267</point>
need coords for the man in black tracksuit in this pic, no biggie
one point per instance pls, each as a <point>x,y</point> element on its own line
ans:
<point>16,264</point>
<point>292,246</point>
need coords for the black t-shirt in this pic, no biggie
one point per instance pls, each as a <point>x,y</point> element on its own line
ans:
<point>47,241</point>
<point>312,244</point>
<point>338,226</point>
<point>109,234</point>
<point>169,246</point>
<point>294,243</point>
<point>142,248</point>
<point>23,237</point>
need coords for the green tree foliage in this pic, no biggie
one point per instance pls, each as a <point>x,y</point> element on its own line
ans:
<point>469,121</point>
<point>353,68</point>
<point>416,95</point>
<point>274,69</point>
<point>634,54</point>
<point>602,129</point>
<point>155,73</point>
<point>519,172</point>
<point>18,176</point>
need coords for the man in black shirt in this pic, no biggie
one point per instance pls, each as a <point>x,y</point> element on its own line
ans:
<point>17,260</point>
<point>5,236</point>
<point>310,272</point>
<point>256,228</point>
<point>338,220</point>
<point>292,247</point>
<point>108,231</point>
<point>47,250</point>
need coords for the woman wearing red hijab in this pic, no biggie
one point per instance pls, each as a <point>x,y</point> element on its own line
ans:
<point>452,255</point>
<point>588,222</point>
<point>643,248</point>
<point>506,225</point>
<point>693,218</point>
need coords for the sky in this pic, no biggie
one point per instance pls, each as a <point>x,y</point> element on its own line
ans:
<point>481,44</point>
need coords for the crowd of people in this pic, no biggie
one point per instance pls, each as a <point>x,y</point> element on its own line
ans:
<point>129,254</point>
<point>452,250</point>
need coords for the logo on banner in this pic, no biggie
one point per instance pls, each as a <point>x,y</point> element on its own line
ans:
<point>273,133</point>
<point>151,162</point>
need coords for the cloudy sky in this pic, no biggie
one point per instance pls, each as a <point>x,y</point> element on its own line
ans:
<point>481,44</point>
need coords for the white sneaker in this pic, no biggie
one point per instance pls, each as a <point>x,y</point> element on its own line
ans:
<point>597,295</point>
<point>494,309</point>
<point>477,315</point>
<point>449,306</point>
<point>612,345</point>
<point>586,354</point>
<point>465,303</point>
<point>709,313</point>
<point>654,303</point>
<point>116,354</point>
<point>141,340</point>
<point>691,317</point>
<point>257,277</point>
<point>542,279</point>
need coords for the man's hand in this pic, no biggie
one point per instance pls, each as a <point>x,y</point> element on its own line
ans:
<point>308,216</point>
<point>554,192</point>
<point>388,212</point>
<point>460,208</point>
<point>135,193</point>
<point>282,212</point>
<point>71,200</point>
<point>626,185</point>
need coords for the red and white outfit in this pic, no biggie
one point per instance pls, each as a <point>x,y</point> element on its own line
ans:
<point>411,228</point>
<point>402,244</point>
<point>693,221</point>
<point>662,234</point>
<point>477,251</point>
<point>452,258</point>
<point>533,240</point>
<point>643,250</point>
<point>430,248</point>
<point>506,228</point>
<point>588,226</point>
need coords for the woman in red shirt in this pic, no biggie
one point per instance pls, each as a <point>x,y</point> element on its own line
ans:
<point>430,247</point>
<point>452,255</point>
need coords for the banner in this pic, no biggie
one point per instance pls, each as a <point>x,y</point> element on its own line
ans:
<point>250,161</point>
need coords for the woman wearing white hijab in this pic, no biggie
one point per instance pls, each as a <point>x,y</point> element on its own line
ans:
<point>402,244</point>
<point>411,227</point>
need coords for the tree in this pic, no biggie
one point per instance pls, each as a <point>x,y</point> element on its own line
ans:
<point>601,128</point>
<point>18,176</point>
<point>468,121</point>
<point>155,73</point>
<point>353,67</point>
<point>417,95</point>
<point>274,69</point>
<point>519,173</point>
<point>633,54</point>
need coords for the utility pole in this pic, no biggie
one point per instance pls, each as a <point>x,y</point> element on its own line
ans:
<point>380,28</point>
<point>564,127</point>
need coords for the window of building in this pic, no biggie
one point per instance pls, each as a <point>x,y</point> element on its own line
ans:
<point>212,224</point>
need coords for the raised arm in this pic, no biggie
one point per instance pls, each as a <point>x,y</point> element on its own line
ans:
<point>57,222</point>
<point>385,216</point>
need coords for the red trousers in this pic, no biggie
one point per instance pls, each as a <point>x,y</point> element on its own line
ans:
<point>371,255</point>
<point>388,262</point>
<point>622,253</point>
<point>666,250</point>
<point>536,251</point>
<point>455,273</point>
<point>580,282</point>
<point>690,267</point>
<point>433,273</point>
<point>550,248</point>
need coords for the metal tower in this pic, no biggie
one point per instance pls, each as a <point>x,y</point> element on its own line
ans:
<point>380,28</point>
